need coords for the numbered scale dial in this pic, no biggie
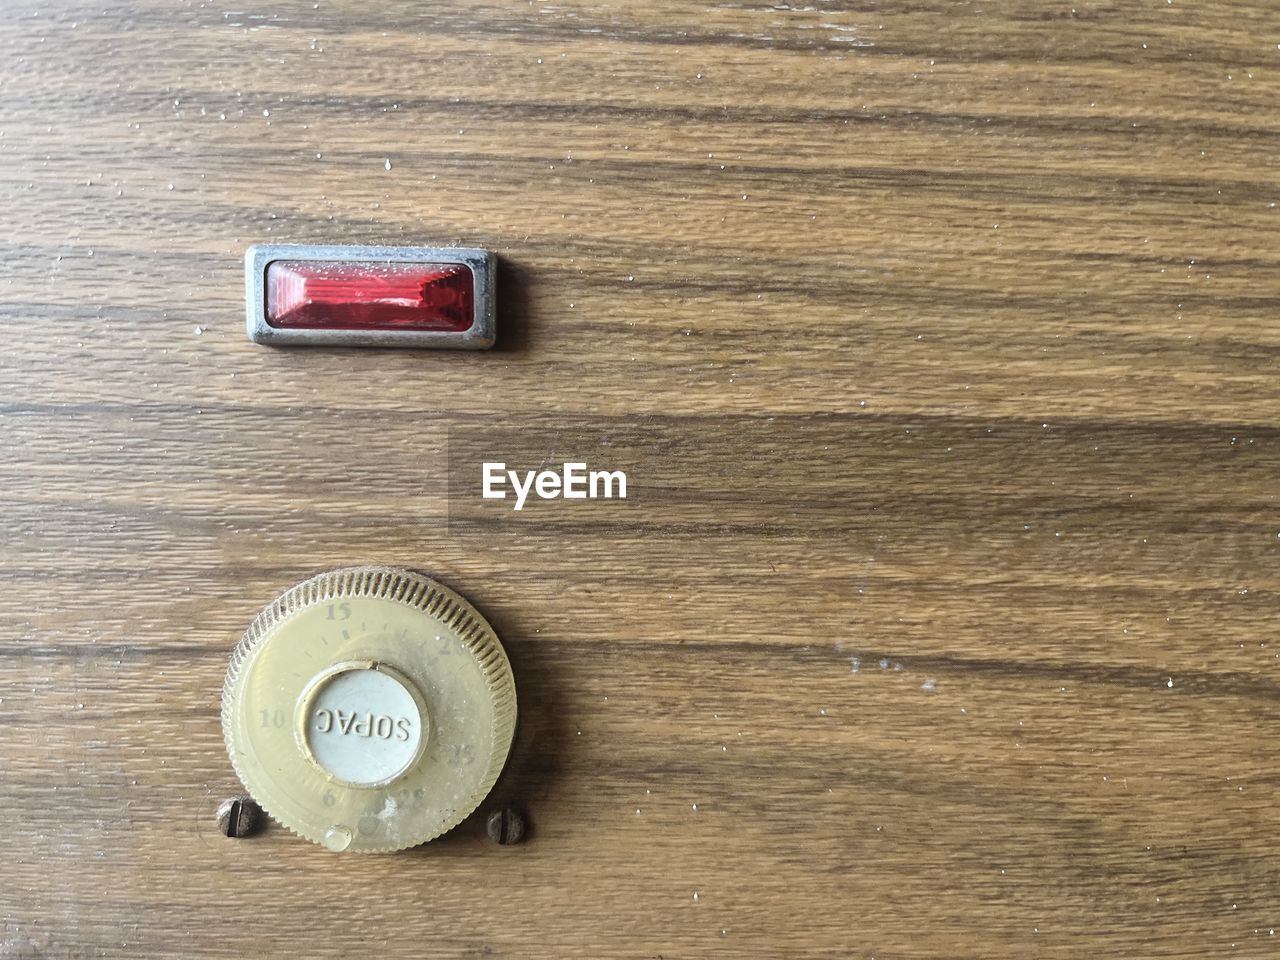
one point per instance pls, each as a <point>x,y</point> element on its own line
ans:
<point>369,709</point>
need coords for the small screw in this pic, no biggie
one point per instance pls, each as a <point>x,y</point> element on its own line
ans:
<point>505,826</point>
<point>238,817</point>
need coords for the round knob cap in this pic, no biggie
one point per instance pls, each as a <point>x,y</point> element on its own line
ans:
<point>369,709</point>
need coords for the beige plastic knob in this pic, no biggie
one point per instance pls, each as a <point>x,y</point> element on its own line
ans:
<point>369,709</point>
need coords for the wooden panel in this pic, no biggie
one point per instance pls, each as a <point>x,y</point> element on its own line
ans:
<point>941,621</point>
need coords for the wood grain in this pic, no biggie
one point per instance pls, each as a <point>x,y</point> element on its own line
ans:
<point>942,621</point>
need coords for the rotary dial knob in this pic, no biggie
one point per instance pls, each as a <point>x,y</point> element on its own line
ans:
<point>369,709</point>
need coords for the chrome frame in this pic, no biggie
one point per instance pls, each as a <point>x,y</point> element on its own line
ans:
<point>480,335</point>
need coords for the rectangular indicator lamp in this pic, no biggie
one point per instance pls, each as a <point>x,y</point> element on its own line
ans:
<point>370,296</point>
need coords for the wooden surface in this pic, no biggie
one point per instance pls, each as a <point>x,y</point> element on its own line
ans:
<point>942,623</point>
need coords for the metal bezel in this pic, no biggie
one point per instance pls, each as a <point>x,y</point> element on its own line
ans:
<point>480,335</point>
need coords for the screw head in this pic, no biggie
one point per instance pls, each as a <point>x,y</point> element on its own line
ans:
<point>505,826</point>
<point>238,817</point>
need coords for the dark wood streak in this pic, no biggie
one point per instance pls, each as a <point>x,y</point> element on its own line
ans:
<point>496,22</point>
<point>1126,129</point>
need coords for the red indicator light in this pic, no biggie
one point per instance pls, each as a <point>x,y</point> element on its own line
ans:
<point>377,295</point>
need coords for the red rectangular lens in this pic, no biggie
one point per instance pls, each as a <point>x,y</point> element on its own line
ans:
<point>379,295</point>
